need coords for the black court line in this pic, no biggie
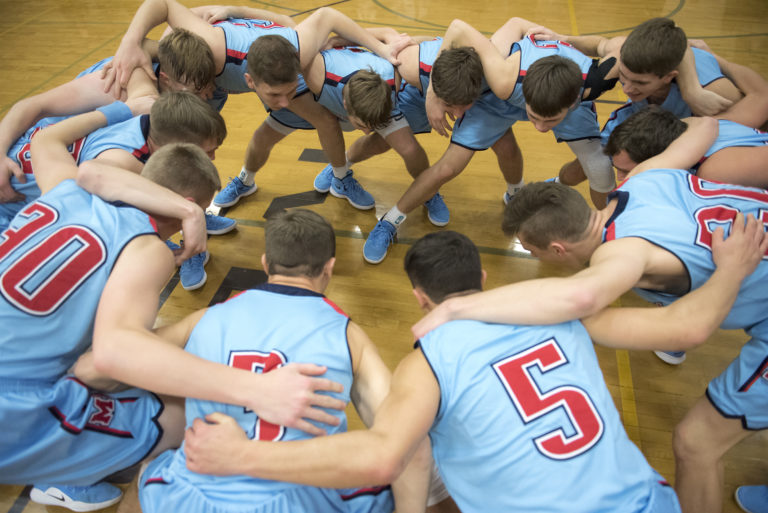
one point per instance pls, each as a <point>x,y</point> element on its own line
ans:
<point>21,501</point>
<point>320,7</point>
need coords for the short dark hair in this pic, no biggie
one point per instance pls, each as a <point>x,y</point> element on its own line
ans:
<point>645,134</point>
<point>186,58</point>
<point>298,243</point>
<point>655,46</point>
<point>457,76</point>
<point>369,98</point>
<point>545,211</point>
<point>180,116</point>
<point>551,84</point>
<point>444,263</point>
<point>185,169</point>
<point>273,60</point>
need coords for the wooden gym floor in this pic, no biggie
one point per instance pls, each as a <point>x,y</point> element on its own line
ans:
<point>44,43</point>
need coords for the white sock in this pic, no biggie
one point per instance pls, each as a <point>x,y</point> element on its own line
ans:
<point>512,188</point>
<point>394,216</point>
<point>246,176</point>
<point>340,172</point>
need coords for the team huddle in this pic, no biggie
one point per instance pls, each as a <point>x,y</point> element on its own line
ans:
<point>501,406</point>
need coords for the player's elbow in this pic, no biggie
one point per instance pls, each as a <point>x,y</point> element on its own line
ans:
<point>584,302</point>
<point>88,176</point>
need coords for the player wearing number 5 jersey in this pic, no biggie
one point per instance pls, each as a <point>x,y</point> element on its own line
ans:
<point>519,417</point>
<point>297,322</point>
<point>655,236</point>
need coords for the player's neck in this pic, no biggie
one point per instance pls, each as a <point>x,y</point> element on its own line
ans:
<point>303,282</point>
<point>660,95</point>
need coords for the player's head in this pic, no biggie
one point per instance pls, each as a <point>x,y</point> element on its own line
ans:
<point>549,219</point>
<point>186,64</point>
<point>551,87</point>
<point>650,56</point>
<point>368,100</point>
<point>185,169</point>
<point>457,79</point>
<point>273,70</point>
<point>641,136</point>
<point>443,263</point>
<point>183,117</point>
<point>300,243</point>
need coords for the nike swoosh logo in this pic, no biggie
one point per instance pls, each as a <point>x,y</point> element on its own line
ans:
<point>60,498</point>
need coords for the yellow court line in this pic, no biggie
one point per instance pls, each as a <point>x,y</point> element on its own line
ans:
<point>572,15</point>
<point>36,17</point>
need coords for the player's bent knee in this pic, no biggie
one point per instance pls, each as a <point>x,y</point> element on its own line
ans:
<point>597,165</point>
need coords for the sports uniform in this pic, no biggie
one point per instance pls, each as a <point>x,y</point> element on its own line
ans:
<point>55,259</point>
<point>731,134</point>
<point>678,211</point>
<point>707,70</point>
<point>410,99</point>
<point>300,325</point>
<point>525,419</point>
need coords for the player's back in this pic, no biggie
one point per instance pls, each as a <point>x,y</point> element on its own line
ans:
<point>526,423</point>
<point>731,134</point>
<point>55,259</point>
<point>678,212</point>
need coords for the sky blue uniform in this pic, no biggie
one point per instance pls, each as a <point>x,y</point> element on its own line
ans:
<point>298,326</point>
<point>55,259</point>
<point>410,100</point>
<point>526,423</point>
<point>706,68</point>
<point>490,117</point>
<point>731,134</point>
<point>130,135</point>
<point>678,212</point>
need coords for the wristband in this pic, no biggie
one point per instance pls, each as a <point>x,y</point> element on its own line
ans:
<point>116,112</point>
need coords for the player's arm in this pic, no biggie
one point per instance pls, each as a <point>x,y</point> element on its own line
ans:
<point>690,320</point>
<point>702,101</point>
<point>214,13</point>
<point>314,31</point>
<point>114,184</point>
<point>355,458</point>
<point>686,150</point>
<point>127,350</point>
<point>616,266</point>
<point>370,388</point>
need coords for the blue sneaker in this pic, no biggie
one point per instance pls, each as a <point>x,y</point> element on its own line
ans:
<point>232,193</point>
<point>437,212</point>
<point>76,498</point>
<point>217,225</point>
<point>378,241</point>
<point>351,189</point>
<point>752,499</point>
<point>324,179</point>
<point>554,179</point>
<point>671,357</point>
<point>192,271</point>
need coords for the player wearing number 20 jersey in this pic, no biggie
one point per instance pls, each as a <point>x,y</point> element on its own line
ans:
<point>55,259</point>
<point>678,212</point>
<point>525,419</point>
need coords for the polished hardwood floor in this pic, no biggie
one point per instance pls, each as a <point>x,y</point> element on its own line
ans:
<point>46,42</point>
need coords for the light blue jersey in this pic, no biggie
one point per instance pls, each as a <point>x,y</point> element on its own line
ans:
<point>707,70</point>
<point>526,423</point>
<point>411,99</point>
<point>55,259</point>
<point>297,325</point>
<point>678,212</point>
<point>731,134</point>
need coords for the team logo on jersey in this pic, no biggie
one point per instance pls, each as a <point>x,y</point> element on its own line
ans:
<point>104,411</point>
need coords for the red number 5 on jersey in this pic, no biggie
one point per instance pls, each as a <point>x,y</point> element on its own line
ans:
<point>532,404</point>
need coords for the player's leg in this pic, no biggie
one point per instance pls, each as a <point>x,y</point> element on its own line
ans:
<point>366,147</point>
<point>572,173</point>
<point>510,160</point>
<point>598,168</point>
<point>738,165</point>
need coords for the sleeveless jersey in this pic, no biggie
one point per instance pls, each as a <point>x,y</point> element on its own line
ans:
<point>340,65</point>
<point>298,326</point>
<point>525,418</point>
<point>732,134</point>
<point>678,211</point>
<point>55,259</point>
<point>707,70</point>
<point>411,99</point>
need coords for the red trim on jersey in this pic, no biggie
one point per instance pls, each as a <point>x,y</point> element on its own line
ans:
<point>335,78</point>
<point>236,54</point>
<point>755,376</point>
<point>335,306</point>
<point>63,420</point>
<point>373,490</point>
<point>425,67</point>
<point>153,223</point>
<point>610,232</point>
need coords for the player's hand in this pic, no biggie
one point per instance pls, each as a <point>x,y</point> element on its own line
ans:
<point>195,235</point>
<point>700,44</point>
<point>214,445</point>
<point>290,395</point>
<point>436,113</point>
<point>117,72</point>
<point>542,33</point>
<point>213,13</point>
<point>396,46</point>
<point>10,168</point>
<point>436,317</point>
<point>745,247</point>
<point>141,104</point>
<point>707,103</point>
<point>335,42</point>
